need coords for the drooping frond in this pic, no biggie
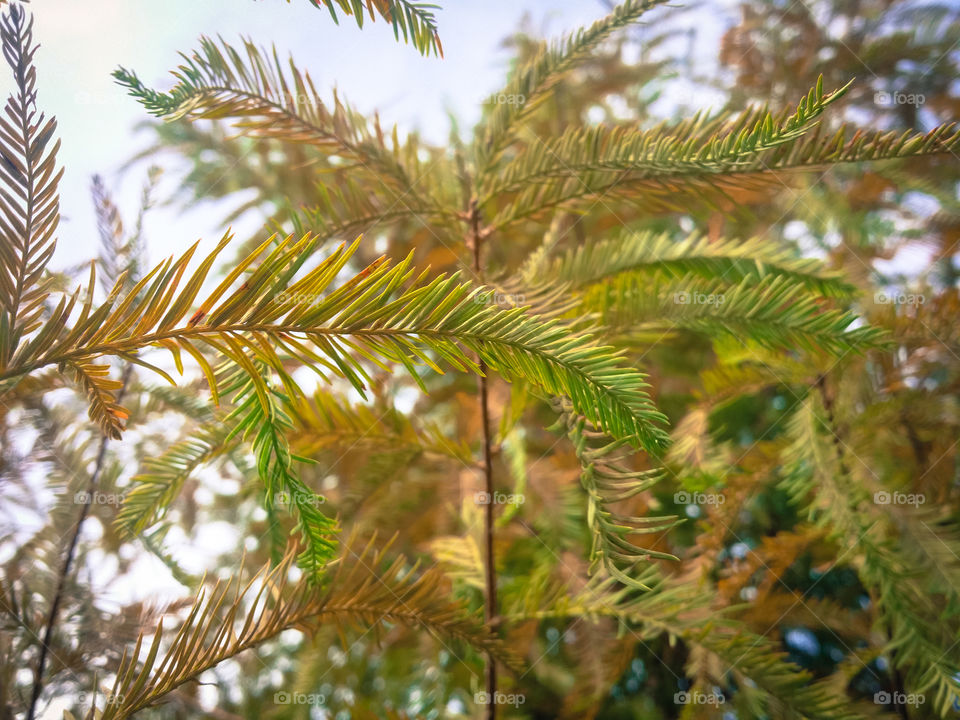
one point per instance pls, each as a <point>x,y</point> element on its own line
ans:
<point>101,391</point>
<point>273,101</point>
<point>382,315</point>
<point>812,464</point>
<point>607,480</point>
<point>650,255</point>
<point>29,202</point>
<point>266,426</point>
<point>365,589</point>
<point>699,162</point>
<point>414,20</point>
<point>772,312</point>
<point>533,80</point>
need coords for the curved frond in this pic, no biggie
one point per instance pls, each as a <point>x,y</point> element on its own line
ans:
<point>701,161</point>
<point>532,81</point>
<point>160,479</point>
<point>658,256</point>
<point>271,99</point>
<point>266,424</point>
<point>100,390</point>
<point>384,315</point>
<point>607,479</point>
<point>772,312</point>
<point>365,589</point>
<point>414,20</point>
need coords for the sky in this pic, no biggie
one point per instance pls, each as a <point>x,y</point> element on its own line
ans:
<point>97,120</point>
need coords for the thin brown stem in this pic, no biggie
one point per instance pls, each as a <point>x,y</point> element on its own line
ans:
<point>490,608</point>
<point>67,565</point>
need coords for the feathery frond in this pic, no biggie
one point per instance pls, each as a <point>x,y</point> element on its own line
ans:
<point>328,421</point>
<point>267,425</point>
<point>160,479</point>
<point>816,469</point>
<point>701,161</point>
<point>652,256</point>
<point>364,589</point>
<point>383,315</point>
<point>679,610</point>
<point>414,20</point>
<point>607,480</point>
<point>29,202</point>
<point>534,79</point>
<point>773,312</point>
<point>271,100</point>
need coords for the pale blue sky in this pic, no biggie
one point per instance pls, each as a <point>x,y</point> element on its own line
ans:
<point>81,43</point>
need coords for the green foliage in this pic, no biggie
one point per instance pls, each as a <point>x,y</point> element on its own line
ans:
<point>583,262</point>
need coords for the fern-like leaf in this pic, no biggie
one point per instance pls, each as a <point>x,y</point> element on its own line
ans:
<point>774,312</point>
<point>29,202</point>
<point>271,100</point>
<point>365,589</point>
<point>383,315</point>
<point>607,480</point>
<point>700,161</point>
<point>654,256</point>
<point>532,81</point>
<point>414,20</point>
